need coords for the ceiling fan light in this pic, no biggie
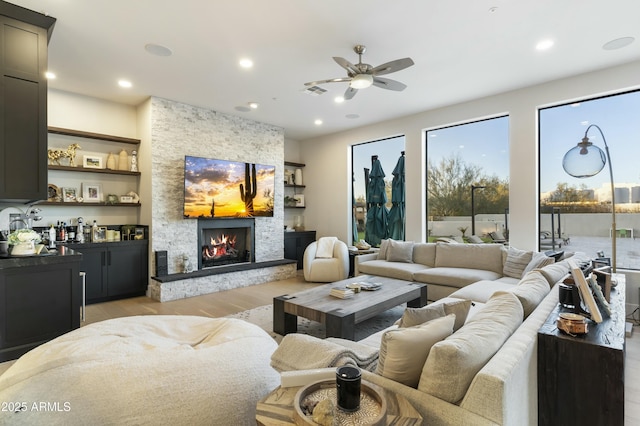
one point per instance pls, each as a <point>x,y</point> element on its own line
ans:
<point>361,81</point>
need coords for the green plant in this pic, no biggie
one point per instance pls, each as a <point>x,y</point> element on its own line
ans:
<point>22,236</point>
<point>463,229</point>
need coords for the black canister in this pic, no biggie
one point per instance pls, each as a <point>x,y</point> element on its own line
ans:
<point>348,381</point>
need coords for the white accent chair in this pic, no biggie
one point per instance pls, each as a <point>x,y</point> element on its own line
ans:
<point>326,269</point>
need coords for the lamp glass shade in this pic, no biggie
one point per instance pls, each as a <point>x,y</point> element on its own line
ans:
<point>584,160</point>
<point>361,81</point>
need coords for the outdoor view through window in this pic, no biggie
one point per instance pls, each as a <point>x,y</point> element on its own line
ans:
<point>581,207</point>
<point>468,182</point>
<point>378,190</point>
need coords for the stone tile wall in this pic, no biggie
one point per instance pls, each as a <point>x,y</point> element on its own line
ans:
<point>179,129</point>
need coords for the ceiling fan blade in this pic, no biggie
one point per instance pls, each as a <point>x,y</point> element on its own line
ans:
<point>346,65</point>
<point>393,66</point>
<point>330,80</point>
<point>387,83</point>
<point>350,93</point>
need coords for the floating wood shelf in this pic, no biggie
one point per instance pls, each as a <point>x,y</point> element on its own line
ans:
<point>99,136</point>
<point>90,170</point>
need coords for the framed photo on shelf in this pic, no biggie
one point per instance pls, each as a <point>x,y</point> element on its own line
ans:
<point>92,192</point>
<point>585,291</point>
<point>299,200</point>
<point>69,195</point>
<point>99,234</point>
<point>91,162</point>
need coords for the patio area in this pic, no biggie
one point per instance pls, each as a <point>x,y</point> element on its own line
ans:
<point>627,249</point>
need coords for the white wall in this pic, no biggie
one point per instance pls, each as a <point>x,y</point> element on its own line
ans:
<point>328,158</point>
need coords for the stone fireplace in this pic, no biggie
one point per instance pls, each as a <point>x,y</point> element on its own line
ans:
<point>225,242</point>
<point>177,130</point>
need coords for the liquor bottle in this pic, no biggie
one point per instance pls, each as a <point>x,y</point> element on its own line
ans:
<point>52,237</point>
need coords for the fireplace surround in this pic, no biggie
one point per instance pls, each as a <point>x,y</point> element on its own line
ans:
<point>224,242</point>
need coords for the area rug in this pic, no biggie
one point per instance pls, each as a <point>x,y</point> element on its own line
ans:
<point>262,316</point>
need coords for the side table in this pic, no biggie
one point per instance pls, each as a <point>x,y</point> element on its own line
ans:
<point>352,259</point>
<point>277,408</point>
<point>581,378</point>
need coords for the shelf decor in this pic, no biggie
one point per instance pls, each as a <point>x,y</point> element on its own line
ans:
<point>91,162</point>
<point>92,192</point>
<point>69,195</point>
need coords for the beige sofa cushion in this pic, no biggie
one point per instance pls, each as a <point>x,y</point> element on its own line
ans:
<point>454,277</point>
<point>425,253</point>
<point>482,291</point>
<point>383,268</point>
<point>472,256</point>
<point>403,351</point>
<point>538,260</point>
<point>531,290</point>
<point>453,363</point>
<point>555,272</point>
<point>416,316</point>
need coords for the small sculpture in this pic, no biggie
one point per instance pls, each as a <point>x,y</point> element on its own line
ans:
<point>55,155</point>
<point>134,161</point>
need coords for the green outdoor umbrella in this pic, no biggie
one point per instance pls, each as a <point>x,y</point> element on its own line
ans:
<point>397,212</point>
<point>376,226</point>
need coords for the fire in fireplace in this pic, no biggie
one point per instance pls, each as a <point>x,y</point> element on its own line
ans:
<point>225,242</point>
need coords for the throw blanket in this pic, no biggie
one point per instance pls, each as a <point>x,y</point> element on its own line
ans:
<point>302,352</point>
<point>325,247</point>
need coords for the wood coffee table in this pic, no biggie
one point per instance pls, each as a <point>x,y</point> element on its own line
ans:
<point>341,315</point>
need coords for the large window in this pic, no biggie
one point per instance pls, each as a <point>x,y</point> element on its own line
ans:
<point>388,215</point>
<point>468,181</point>
<point>575,213</point>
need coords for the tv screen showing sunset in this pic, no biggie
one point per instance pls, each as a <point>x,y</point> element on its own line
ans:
<point>221,188</point>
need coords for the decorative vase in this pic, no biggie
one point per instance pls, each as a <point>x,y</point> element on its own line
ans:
<point>23,249</point>
<point>111,162</point>
<point>123,163</point>
<point>298,176</point>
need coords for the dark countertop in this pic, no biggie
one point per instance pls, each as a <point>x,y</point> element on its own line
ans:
<point>61,255</point>
<point>80,246</point>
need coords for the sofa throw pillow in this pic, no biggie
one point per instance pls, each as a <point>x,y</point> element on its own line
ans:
<point>384,247</point>
<point>516,261</point>
<point>400,251</point>
<point>325,247</point>
<point>474,239</point>
<point>454,362</point>
<point>538,260</point>
<point>403,351</point>
<point>415,316</point>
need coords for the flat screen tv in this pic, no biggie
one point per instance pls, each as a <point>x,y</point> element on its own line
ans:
<point>224,189</point>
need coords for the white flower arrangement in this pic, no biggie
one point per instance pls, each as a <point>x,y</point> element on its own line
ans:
<point>23,236</point>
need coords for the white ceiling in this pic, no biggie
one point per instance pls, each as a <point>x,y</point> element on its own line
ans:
<point>461,48</point>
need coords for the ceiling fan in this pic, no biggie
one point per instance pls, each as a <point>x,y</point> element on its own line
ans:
<point>361,76</point>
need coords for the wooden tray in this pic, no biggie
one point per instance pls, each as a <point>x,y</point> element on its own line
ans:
<point>373,406</point>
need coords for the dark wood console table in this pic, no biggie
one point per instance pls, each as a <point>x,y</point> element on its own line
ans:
<point>581,378</point>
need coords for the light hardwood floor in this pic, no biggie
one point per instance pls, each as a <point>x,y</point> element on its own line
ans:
<point>238,300</point>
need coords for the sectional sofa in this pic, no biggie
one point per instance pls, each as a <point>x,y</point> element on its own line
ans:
<point>447,267</point>
<point>473,359</point>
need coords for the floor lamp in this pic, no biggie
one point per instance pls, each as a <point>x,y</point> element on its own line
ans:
<point>586,160</point>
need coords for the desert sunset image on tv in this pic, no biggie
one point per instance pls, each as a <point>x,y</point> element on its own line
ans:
<point>220,188</point>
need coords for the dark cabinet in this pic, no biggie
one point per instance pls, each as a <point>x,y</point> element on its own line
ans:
<point>23,103</point>
<point>40,299</point>
<point>295,243</point>
<point>581,377</point>
<point>114,270</point>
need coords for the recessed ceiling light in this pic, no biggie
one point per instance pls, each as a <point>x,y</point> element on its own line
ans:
<point>618,43</point>
<point>544,44</point>
<point>318,122</point>
<point>253,105</point>
<point>49,75</point>
<point>338,99</point>
<point>246,63</point>
<point>125,83</point>
<point>157,50</point>
<point>584,123</point>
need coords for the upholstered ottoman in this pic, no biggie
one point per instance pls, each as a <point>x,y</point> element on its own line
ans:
<point>158,369</point>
